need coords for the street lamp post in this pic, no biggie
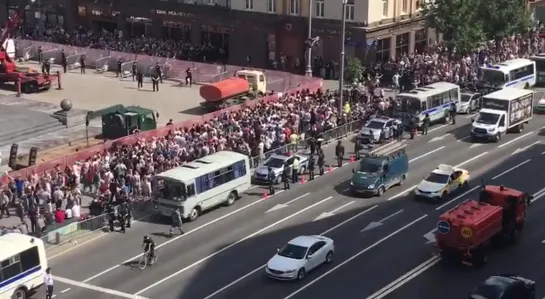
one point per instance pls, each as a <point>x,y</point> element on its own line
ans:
<point>341,76</point>
<point>311,41</point>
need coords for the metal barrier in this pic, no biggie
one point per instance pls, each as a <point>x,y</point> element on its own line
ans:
<point>328,136</point>
<point>67,232</point>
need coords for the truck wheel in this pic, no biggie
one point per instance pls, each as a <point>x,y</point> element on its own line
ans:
<point>447,118</point>
<point>521,128</point>
<point>380,191</point>
<point>498,137</point>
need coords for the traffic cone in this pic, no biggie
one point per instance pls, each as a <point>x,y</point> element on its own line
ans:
<point>303,180</point>
<point>265,195</point>
<point>352,159</point>
<point>329,169</point>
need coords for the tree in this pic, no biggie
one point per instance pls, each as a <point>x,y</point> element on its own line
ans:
<point>504,17</point>
<point>354,70</point>
<point>458,21</point>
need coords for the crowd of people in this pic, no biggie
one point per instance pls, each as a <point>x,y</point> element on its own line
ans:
<point>252,130</point>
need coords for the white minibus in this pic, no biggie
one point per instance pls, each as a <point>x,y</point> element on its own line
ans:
<point>517,73</point>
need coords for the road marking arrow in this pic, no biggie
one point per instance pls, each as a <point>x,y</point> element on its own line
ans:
<point>543,242</point>
<point>280,206</point>
<point>331,213</point>
<point>475,145</point>
<point>520,150</point>
<point>430,236</point>
<point>372,225</point>
<point>438,138</point>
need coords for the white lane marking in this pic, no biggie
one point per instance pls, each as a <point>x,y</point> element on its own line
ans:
<point>521,149</point>
<point>402,192</point>
<point>261,267</point>
<point>539,194</point>
<point>511,169</point>
<point>543,153</point>
<point>232,245</point>
<point>285,205</point>
<point>457,197</point>
<point>331,213</point>
<point>471,115</point>
<point>518,138</point>
<point>182,236</point>
<point>341,207</point>
<point>353,257</point>
<point>396,284</point>
<point>474,145</point>
<point>102,234</point>
<point>463,138</point>
<point>472,159</point>
<point>435,129</point>
<point>426,154</point>
<point>297,198</point>
<point>96,288</point>
<point>65,290</point>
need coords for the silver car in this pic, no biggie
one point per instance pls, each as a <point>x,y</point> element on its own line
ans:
<point>469,102</point>
<point>276,162</point>
<point>377,128</point>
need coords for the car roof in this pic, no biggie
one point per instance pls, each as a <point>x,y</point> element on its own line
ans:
<point>381,119</point>
<point>305,241</point>
<point>442,171</point>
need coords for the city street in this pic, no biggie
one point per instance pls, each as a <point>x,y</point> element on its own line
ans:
<point>378,239</point>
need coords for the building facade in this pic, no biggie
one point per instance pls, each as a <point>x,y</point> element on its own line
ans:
<point>265,30</point>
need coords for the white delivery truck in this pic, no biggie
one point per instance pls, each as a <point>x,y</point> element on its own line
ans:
<point>503,111</point>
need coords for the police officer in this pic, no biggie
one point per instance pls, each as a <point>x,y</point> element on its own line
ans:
<point>453,113</point>
<point>312,145</point>
<point>295,171</point>
<point>134,70</point>
<point>155,81</point>
<point>321,161</point>
<point>412,128</point>
<point>158,71</point>
<point>311,167</point>
<point>47,66</point>
<point>140,79</point>
<point>270,180</point>
<point>64,63</point>
<point>82,64</point>
<point>425,124</point>
<point>339,152</point>
<point>357,148</point>
<point>123,214</point>
<point>129,214</point>
<point>176,222</point>
<point>111,217</point>
<point>399,130</point>
<point>188,77</point>
<point>118,69</point>
<point>40,54</point>
<point>286,176</point>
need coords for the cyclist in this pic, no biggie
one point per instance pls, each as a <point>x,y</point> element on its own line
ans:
<point>149,245</point>
<point>176,222</point>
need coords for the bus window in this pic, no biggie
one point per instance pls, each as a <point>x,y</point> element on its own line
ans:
<point>30,259</point>
<point>411,105</point>
<point>171,190</point>
<point>454,95</point>
<point>493,76</point>
<point>436,101</point>
<point>424,106</point>
<point>191,190</point>
<point>261,78</point>
<point>11,267</point>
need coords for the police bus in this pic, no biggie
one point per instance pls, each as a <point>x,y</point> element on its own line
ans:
<point>22,265</point>
<point>201,185</point>
<point>435,100</point>
<point>517,73</point>
<point>539,60</point>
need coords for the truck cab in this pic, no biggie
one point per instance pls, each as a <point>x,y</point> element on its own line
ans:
<point>503,111</point>
<point>256,79</point>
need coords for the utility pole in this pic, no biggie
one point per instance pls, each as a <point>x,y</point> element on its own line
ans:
<point>311,41</point>
<point>341,77</point>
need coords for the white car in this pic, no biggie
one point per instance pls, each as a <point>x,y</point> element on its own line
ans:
<point>300,256</point>
<point>442,181</point>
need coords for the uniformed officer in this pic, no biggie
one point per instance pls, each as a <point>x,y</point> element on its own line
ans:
<point>188,77</point>
<point>399,130</point>
<point>64,63</point>
<point>123,213</point>
<point>295,171</point>
<point>134,69</point>
<point>111,217</point>
<point>286,176</point>
<point>312,145</point>
<point>321,161</point>
<point>129,214</point>
<point>412,128</point>
<point>155,81</point>
<point>311,167</point>
<point>82,64</point>
<point>357,148</point>
<point>339,152</point>
<point>140,79</point>
<point>319,141</point>
<point>40,54</point>
<point>47,66</point>
<point>425,124</point>
<point>118,69</point>
<point>270,180</point>
<point>453,113</point>
<point>158,71</point>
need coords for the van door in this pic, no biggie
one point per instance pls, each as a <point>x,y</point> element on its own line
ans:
<point>502,124</point>
<point>388,175</point>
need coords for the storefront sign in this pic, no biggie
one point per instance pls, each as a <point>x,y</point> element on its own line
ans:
<point>162,12</point>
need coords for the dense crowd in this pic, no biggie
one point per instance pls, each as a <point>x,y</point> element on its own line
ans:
<point>252,131</point>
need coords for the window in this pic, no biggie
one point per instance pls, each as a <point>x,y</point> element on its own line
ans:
<point>250,4</point>
<point>420,41</point>
<point>521,72</point>
<point>350,10</point>
<point>383,50</point>
<point>217,178</point>
<point>271,5</point>
<point>30,258</point>
<point>320,7</point>
<point>295,7</point>
<point>385,8</point>
<point>402,44</point>
<point>404,6</point>
<point>11,268</point>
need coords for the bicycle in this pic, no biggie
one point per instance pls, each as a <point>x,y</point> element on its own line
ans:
<point>145,259</point>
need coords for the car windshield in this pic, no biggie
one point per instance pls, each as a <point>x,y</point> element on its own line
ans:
<point>293,251</point>
<point>409,104</point>
<point>274,163</point>
<point>368,167</point>
<point>437,178</point>
<point>374,125</point>
<point>465,98</point>
<point>170,190</point>
<point>487,118</point>
<point>485,291</point>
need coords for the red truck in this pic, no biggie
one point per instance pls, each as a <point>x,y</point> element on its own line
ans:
<point>467,232</point>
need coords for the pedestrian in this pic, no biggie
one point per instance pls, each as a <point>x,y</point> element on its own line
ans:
<point>111,217</point>
<point>176,222</point>
<point>188,77</point>
<point>286,176</point>
<point>295,170</point>
<point>339,152</point>
<point>123,213</point>
<point>133,70</point>
<point>155,81</point>
<point>48,281</point>
<point>425,124</point>
<point>270,180</point>
<point>82,64</point>
<point>118,69</point>
<point>311,167</point>
<point>63,61</point>
<point>321,161</point>
<point>140,79</point>
<point>357,148</point>
<point>158,71</point>
<point>453,113</point>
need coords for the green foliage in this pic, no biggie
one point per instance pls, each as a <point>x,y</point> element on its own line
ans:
<point>466,24</point>
<point>354,70</point>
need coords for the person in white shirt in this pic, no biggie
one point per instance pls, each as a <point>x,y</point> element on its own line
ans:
<point>76,211</point>
<point>48,281</point>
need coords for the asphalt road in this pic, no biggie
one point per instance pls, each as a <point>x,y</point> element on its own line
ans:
<point>222,253</point>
